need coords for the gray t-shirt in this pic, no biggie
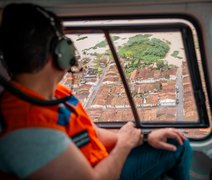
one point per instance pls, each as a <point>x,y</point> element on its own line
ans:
<point>24,151</point>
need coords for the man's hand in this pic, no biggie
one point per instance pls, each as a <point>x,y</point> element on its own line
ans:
<point>158,138</point>
<point>129,136</point>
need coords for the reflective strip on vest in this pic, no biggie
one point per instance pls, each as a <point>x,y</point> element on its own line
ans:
<point>81,139</point>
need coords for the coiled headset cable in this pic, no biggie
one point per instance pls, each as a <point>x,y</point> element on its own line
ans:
<point>39,102</point>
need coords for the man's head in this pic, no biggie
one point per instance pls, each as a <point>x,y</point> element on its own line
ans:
<point>28,34</point>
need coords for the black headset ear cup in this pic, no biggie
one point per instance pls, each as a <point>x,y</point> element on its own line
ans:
<point>63,52</point>
<point>61,47</point>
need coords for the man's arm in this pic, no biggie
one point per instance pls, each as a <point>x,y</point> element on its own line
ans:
<point>157,138</point>
<point>107,137</point>
<point>71,164</point>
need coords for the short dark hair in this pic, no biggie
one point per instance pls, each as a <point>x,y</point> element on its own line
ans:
<point>25,37</point>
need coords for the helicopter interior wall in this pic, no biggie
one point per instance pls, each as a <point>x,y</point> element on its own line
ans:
<point>3,73</point>
<point>200,10</point>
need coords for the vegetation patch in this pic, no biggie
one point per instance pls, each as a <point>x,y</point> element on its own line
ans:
<point>175,54</point>
<point>103,43</point>
<point>114,38</point>
<point>82,38</point>
<point>142,51</point>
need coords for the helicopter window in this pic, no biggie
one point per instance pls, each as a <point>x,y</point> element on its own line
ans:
<point>151,70</point>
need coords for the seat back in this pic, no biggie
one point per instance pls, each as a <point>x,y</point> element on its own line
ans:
<point>6,176</point>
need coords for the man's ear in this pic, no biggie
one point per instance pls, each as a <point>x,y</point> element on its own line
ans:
<point>50,60</point>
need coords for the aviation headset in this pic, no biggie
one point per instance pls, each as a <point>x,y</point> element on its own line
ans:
<point>61,47</point>
<point>63,53</point>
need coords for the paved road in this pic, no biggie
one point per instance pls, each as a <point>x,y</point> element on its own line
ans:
<point>96,88</point>
<point>179,95</point>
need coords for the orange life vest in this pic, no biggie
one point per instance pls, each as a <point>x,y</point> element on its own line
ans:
<point>70,118</point>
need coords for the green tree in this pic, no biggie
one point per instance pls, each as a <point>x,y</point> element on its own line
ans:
<point>142,51</point>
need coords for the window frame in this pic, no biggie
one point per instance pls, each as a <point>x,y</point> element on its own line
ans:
<point>188,41</point>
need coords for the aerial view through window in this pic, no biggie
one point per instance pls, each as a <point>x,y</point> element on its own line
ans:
<point>156,70</point>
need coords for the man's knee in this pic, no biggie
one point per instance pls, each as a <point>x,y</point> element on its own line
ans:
<point>182,150</point>
<point>186,146</point>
